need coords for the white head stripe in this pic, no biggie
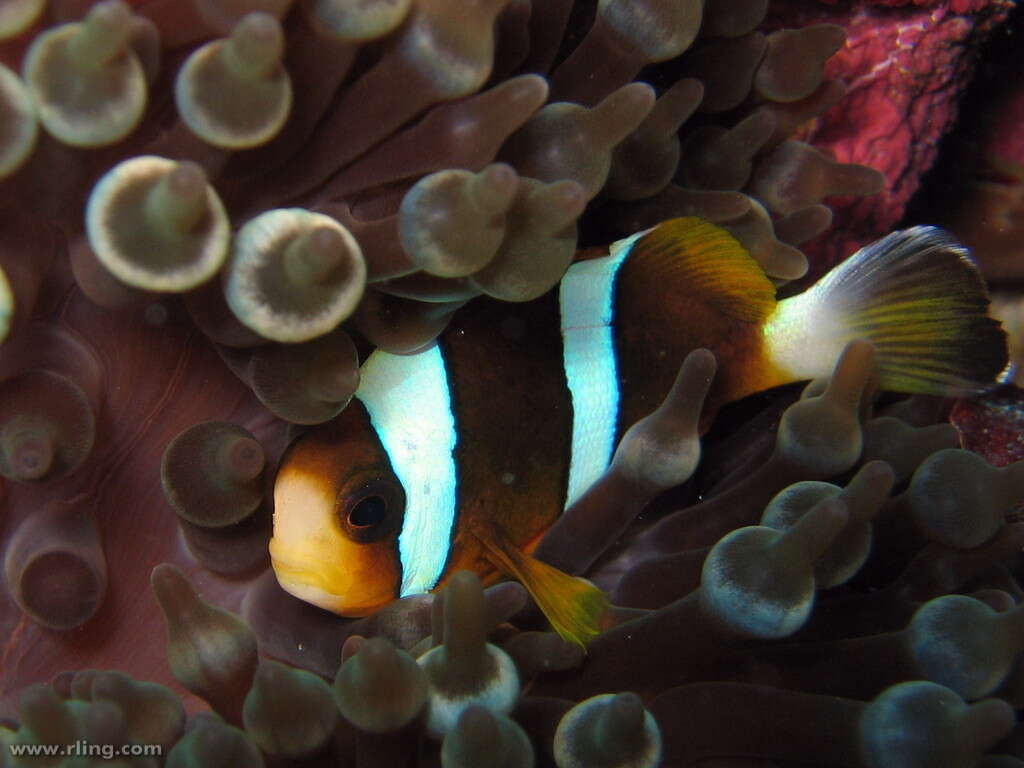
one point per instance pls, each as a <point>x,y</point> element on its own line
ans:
<point>586,300</point>
<point>409,405</point>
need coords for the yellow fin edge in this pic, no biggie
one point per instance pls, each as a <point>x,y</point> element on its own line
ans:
<point>578,611</point>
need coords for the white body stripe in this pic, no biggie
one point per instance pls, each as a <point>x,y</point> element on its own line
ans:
<point>586,302</point>
<point>410,407</point>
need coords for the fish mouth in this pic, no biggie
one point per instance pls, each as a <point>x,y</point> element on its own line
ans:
<point>310,593</point>
<point>311,588</point>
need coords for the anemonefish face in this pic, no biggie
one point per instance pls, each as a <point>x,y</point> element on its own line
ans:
<point>338,511</point>
<point>364,506</point>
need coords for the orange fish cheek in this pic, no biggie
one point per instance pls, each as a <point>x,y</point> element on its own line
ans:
<point>347,578</point>
<point>318,564</point>
<point>372,575</point>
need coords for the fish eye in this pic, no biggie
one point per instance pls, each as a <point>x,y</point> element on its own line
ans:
<point>371,509</point>
<point>368,511</point>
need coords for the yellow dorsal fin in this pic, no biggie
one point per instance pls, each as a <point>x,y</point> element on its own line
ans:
<point>719,270</point>
<point>577,610</point>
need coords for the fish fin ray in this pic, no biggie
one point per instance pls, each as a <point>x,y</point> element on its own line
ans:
<point>918,297</point>
<point>710,262</point>
<point>578,611</point>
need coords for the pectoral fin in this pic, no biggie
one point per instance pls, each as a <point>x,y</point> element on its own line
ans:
<point>577,610</point>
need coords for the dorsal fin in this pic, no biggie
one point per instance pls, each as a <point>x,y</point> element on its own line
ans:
<point>710,260</point>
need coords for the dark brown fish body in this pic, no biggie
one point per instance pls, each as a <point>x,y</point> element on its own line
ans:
<point>464,455</point>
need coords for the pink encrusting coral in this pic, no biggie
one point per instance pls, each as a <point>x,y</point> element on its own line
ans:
<point>906,66</point>
<point>235,201</point>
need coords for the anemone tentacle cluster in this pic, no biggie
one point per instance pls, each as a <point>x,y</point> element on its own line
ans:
<point>210,210</point>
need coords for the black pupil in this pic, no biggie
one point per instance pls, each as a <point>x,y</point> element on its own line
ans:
<point>368,511</point>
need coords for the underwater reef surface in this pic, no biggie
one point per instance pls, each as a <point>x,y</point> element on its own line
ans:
<point>440,151</point>
<point>906,66</point>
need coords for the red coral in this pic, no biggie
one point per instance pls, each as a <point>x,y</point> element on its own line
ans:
<point>906,67</point>
<point>956,6</point>
<point>993,426</point>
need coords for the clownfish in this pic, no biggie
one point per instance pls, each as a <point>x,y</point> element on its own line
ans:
<point>462,455</point>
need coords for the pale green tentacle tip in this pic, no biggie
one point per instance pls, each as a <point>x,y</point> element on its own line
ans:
<point>496,689</point>
<point>294,275</point>
<point>87,84</point>
<point>16,16</point>
<point>359,22</point>
<point>660,31</point>
<point>481,737</point>
<point>234,93</point>
<point>19,128</point>
<point>452,222</point>
<point>608,731</point>
<point>917,724</point>
<point>223,15</point>
<point>157,225</point>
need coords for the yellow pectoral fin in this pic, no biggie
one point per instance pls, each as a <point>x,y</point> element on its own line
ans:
<point>577,610</point>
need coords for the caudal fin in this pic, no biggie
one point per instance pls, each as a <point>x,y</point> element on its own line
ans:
<point>917,296</point>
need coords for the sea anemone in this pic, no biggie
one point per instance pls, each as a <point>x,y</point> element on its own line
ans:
<point>212,210</point>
